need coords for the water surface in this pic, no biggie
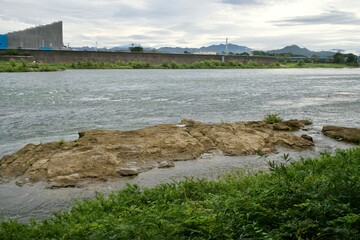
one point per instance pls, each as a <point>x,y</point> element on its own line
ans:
<point>41,107</point>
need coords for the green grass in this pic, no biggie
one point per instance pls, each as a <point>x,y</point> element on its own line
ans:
<point>309,199</point>
<point>273,118</point>
<point>22,66</point>
<point>61,141</point>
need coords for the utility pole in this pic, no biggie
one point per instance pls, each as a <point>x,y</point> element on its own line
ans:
<point>226,47</point>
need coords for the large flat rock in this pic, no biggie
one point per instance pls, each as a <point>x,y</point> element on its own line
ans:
<point>99,154</point>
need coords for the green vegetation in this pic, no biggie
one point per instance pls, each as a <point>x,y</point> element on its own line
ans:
<point>61,141</point>
<point>136,49</point>
<point>23,66</point>
<point>273,118</point>
<point>345,58</point>
<point>309,199</point>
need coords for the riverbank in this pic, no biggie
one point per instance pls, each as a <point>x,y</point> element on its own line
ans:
<point>23,66</point>
<point>313,198</point>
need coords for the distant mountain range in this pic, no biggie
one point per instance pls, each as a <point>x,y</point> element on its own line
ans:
<point>219,49</point>
<point>296,50</point>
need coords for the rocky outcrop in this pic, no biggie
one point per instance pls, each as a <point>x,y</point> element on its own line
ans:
<point>346,134</point>
<point>104,154</point>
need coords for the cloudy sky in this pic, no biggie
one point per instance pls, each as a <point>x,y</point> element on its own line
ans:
<point>258,24</point>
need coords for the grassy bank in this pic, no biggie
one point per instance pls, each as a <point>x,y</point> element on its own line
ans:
<point>22,66</point>
<point>310,199</point>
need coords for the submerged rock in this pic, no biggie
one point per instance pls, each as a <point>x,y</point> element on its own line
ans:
<point>166,164</point>
<point>104,154</point>
<point>307,137</point>
<point>346,134</point>
<point>128,171</point>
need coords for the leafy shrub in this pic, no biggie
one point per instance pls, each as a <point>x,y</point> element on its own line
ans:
<point>12,62</point>
<point>273,118</point>
<point>300,63</point>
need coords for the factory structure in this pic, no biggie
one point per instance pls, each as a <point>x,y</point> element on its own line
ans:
<point>44,37</point>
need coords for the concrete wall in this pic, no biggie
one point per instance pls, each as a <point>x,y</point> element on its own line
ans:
<point>46,36</point>
<point>152,58</point>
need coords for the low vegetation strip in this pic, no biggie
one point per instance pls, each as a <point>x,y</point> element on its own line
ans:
<point>24,66</point>
<point>307,199</point>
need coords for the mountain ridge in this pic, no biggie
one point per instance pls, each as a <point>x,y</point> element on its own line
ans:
<point>296,50</point>
<point>219,49</point>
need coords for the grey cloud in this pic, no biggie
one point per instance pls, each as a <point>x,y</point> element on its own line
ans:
<point>244,2</point>
<point>156,12</point>
<point>329,17</point>
<point>141,37</point>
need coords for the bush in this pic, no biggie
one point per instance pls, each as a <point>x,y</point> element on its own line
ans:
<point>273,118</point>
<point>300,63</point>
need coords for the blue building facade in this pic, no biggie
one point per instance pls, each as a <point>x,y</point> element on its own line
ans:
<point>3,41</point>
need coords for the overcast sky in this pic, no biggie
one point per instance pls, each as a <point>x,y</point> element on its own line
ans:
<point>258,24</point>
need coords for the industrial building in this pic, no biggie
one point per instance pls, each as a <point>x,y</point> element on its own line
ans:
<point>44,37</point>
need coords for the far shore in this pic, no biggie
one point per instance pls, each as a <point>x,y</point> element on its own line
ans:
<point>23,66</point>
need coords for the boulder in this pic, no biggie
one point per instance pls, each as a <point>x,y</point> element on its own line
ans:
<point>346,134</point>
<point>128,171</point>
<point>291,125</point>
<point>166,164</point>
<point>307,137</point>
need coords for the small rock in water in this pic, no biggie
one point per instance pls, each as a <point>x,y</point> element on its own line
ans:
<point>166,164</point>
<point>307,137</point>
<point>128,171</point>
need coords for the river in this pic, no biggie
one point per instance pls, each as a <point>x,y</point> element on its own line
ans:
<point>42,107</point>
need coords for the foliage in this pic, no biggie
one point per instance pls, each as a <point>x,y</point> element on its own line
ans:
<point>136,49</point>
<point>273,118</point>
<point>61,141</point>
<point>259,53</point>
<point>309,199</point>
<point>301,63</point>
<point>244,54</point>
<point>23,66</point>
<point>345,58</point>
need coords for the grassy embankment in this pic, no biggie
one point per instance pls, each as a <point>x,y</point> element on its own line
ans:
<point>309,199</point>
<point>22,66</point>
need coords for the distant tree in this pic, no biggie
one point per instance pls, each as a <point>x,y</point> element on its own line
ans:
<point>345,58</point>
<point>136,49</point>
<point>244,54</point>
<point>259,53</point>
<point>339,58</point>
<point>350,58</point>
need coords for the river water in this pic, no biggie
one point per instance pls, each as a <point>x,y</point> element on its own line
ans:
<point>42,107</point>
